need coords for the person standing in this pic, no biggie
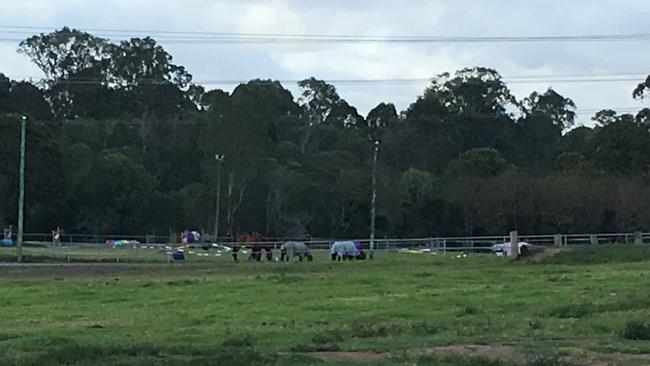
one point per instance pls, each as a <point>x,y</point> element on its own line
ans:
<point>56,236</point>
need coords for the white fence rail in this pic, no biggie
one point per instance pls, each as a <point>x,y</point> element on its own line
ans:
<point>440,244</point>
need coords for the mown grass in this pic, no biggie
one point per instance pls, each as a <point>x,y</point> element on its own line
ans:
<point>223,313</point>
<point>601,254</point>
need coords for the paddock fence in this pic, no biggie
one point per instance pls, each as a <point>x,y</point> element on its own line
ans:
<point>437,244</point>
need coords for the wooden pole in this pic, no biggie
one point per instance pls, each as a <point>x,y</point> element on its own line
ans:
<point>514,244</point>
<point>219,159</point>
<point>21,196</point>
<point>373,200</point>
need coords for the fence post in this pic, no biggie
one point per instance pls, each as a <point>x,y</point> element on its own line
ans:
<point>593,239</point>
<point>514,243</point>
<point>638,237</point>
<point>557,240</point>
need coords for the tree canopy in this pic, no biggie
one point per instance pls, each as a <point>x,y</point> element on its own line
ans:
<point>121,141</point>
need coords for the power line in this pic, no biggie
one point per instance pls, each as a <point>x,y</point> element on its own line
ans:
<point>523,79</point>
<point>194,37</point>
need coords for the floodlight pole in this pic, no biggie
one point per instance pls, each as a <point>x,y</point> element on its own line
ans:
<point>219,158</point>
<point>373,199</point>
<point>21,195</point>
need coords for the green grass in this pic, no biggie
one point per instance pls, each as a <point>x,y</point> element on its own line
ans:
<point>601,254</point>
<point>389,311</point>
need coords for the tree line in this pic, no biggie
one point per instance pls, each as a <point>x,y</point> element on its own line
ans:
<point>120,141</point>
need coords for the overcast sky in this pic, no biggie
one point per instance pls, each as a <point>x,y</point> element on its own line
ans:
<point>373,61</point>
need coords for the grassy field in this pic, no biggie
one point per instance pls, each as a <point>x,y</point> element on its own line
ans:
<point>575,307</point>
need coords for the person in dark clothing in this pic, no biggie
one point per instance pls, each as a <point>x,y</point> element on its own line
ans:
<point>235,251</point>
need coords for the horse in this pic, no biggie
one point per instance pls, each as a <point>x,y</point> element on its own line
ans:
<point>346,250</point>
<point>257,243</point>
<point>292,249</point>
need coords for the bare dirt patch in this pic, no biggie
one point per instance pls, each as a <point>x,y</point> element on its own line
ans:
<point>338,356</point>
<point>489,351</point>
<point>59,271</point>
<point>495,352</point>
<point>502,352</point>
<point>544,254</point>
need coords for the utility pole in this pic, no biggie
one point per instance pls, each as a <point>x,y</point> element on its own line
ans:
<point>373,199</point>
<point>21,195</point>
<point>219,158</point>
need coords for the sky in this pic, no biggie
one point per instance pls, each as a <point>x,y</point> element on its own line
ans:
<point>373,60</point>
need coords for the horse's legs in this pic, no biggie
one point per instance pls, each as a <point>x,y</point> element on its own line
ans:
<point>269,255</point>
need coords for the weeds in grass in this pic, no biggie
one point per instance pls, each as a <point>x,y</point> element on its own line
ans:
<point>374,328</point>
<point>240,341</point>
<point>572,311</point>
<point>548,361</point>
<point>560,278</point>
<point>424,328</point>
<point>600,254</point>
<point>287,280</point>
<point>6,336</point>
<point>458,361</point>
<point>316,348</point>
<point>181,282</point>
<point>637,331</point>
<point>469,310</point>
<point>535,324</point>
<point>422,274</point>
<point>328,337</point>
<point>584,309</point>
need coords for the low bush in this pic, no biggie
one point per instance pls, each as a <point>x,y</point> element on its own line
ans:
<point>636,330</point>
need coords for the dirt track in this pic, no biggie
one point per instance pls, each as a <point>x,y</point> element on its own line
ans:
<point>63,270</point>
<point>496,352</point>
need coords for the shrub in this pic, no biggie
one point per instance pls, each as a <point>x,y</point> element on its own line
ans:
<point>636,330</point>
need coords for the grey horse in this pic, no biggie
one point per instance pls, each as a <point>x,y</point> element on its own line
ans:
<point>341,250</point>
<point>292,249</point>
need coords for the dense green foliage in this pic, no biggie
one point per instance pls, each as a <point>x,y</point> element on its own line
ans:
<point>399,309</point>
<point>121,141</point>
